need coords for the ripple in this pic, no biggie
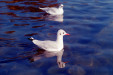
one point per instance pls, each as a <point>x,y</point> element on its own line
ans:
<point>21,24</point>
<point>9,32</point>
<point>31,34</point>
<point>38,26</point>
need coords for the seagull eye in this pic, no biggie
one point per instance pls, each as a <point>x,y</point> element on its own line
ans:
<point>60,33</point>
<point>63,32</point>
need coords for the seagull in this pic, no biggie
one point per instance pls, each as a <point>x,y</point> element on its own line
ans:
<point>53,10</point>
<point>49,45</point>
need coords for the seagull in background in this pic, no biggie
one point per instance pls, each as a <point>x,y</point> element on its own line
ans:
<point>54,10</point>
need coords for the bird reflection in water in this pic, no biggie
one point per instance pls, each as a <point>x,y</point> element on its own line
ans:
<point>58,18</point>
<point>42,53</point>
<point>33,56</point>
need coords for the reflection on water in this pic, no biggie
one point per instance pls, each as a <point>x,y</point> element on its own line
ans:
<point>42,53</point>
<point>37,55</point>
<point>58,18</point>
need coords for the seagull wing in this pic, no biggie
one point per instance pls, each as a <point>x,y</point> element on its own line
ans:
<point>50,10</point>
<point>48,45</point>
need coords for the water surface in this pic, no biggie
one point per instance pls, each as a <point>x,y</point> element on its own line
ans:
<point>88,50</point>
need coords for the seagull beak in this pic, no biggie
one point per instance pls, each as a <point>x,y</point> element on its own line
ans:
<point>67,34</point>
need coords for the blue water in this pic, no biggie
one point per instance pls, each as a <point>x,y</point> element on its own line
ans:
<point>88,50</point>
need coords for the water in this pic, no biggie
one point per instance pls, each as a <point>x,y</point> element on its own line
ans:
<point>88,50</point>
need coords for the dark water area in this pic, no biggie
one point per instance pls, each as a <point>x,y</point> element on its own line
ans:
<point>88,50</point>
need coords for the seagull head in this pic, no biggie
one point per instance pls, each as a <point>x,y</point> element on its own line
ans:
<point>61,5</point>
<point>61,32</point>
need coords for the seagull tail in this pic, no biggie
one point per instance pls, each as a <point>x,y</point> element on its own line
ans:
<point>44,9</point>
<point>40,8</point>
<point>31,38</point>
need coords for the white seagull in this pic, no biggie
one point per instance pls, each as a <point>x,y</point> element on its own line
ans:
<point>54,10</point>
<point>49,45</point>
